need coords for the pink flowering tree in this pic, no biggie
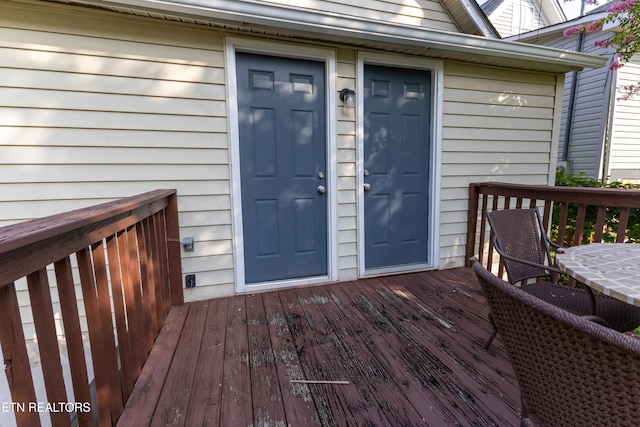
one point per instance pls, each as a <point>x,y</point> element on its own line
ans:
<point>626,43</point>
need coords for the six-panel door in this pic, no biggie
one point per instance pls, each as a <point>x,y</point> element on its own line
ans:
<point>282,136</point>
<point>396,156</point>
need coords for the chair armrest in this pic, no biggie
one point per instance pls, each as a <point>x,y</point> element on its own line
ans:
<point>551,269</point>
<point>527,262</point>
<point>553,244</point>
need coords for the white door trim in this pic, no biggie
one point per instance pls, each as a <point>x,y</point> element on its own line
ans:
<point>433,227</point>
<point>328,56</point>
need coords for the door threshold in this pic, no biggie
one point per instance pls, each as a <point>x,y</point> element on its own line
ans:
<point>283,284</point>
<point>396,269</point>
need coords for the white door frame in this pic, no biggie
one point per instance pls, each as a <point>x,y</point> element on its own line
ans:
<point>328,56</point>
<point>433,209</point>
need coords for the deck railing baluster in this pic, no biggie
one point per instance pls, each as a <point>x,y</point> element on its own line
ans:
<point>40,298</point>
<point>598,228</point>
<point>623,219</point>
<point>127,284</point>
<point>16,359</point>
<point>580,219</point>
<point>73,337</point>
<point>96,338</point>
<point>124,344</point>
<point>133,297</point>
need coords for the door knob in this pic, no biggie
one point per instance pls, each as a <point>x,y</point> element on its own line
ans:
<point>321,189</point>
<point>367,186</point>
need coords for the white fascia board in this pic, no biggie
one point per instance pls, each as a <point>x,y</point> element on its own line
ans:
<point>557,27</point>
<point>284,17</point>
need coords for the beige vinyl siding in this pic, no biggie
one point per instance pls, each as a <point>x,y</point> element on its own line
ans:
<point>625,152</point>
<point>497,126</point>
<point>347,182</point>
<point>97,106</point>
<point>427,13</point>
<point>96,124</point>
<point>90,113</point>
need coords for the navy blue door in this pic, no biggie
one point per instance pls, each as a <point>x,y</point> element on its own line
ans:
<point>281,112</point>
<point>396,154</point>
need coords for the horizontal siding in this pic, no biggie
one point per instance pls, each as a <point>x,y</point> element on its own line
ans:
<point>625,149</point>
<point>503,134</point>
<point>90,113</point>
<point>346,170</point>
<point>590,112</point>
<point>427,13</point>
<point>502,19</point>
<point>118,107</point>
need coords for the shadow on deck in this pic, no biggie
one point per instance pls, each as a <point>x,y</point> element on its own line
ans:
<point>402,350</point>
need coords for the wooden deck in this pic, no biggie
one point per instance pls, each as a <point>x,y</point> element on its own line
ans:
<point>408,349</point>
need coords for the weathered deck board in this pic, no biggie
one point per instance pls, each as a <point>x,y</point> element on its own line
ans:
<point>206,397</point>
<point>410,347</point>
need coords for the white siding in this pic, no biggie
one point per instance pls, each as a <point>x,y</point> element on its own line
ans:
<point>502,19</point>
<point>625,150</point>
<point>497,126</point>
<point>428,13</point>
<point>516,17</point>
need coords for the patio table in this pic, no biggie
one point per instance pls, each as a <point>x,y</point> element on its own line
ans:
<point>610,268</point>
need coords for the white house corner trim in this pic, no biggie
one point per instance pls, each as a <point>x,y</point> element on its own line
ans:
<point>437,91</point>
<point>555,130</point>
<point>236,44</point>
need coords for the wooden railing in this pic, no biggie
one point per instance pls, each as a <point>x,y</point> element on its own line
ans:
<point>570,203</point>
<point>124,257</point>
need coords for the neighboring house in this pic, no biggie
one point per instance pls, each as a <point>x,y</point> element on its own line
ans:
<point>237,105</point>
<point>511,17</point>
<point>600,133</point>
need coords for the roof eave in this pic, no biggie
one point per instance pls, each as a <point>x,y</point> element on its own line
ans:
<point>272,15</point>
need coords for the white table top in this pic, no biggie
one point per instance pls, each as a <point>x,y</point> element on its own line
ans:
<point>610,268</point>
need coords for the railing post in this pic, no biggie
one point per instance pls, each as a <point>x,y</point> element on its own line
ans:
<point>472,223</point>
<point>173,252</point>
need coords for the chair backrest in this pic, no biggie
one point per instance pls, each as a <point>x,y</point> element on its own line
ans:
<point>571,371</point>
<point>518,233</point>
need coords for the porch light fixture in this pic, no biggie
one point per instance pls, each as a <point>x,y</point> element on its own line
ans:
<point>348,98</point>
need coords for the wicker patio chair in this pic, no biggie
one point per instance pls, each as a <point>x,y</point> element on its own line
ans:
<point>571,371</point>
<point>519,239</point>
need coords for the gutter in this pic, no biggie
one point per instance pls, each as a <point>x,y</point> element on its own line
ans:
<point>340,27</point>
